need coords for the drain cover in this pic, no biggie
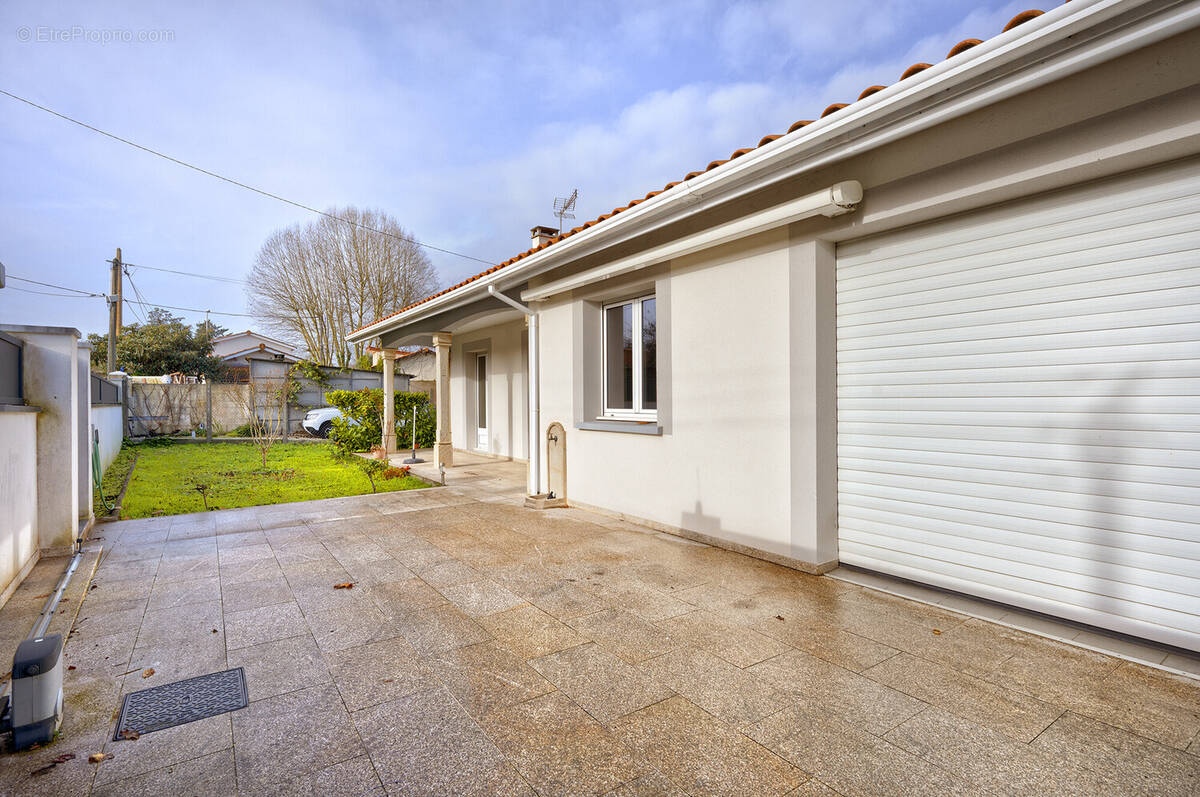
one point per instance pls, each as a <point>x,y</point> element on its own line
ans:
<point>183,701</point>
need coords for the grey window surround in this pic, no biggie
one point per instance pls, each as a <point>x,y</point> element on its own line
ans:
<point>626,427</point>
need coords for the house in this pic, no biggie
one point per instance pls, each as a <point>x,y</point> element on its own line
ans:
<point>966,313</point>
<point>237,349</point>
<point>419,363</point>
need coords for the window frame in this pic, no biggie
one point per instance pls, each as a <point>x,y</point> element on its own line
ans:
<point>637,413</point>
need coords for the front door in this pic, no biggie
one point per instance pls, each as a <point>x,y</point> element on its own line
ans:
<point>481,403</point>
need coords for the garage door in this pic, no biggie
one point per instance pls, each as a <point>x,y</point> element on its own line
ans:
<point>1019,404</point>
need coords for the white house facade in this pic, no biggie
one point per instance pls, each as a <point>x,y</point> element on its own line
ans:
<point>965,313</point>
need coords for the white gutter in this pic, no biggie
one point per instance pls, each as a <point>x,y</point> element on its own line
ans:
<point>841,198</point>
<point>1059,43</point>
<point>534,475</point>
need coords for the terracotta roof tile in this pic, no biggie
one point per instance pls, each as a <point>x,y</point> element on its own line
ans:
<point>961,47</point>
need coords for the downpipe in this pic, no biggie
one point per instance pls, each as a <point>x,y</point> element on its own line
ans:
<point>535,409</point>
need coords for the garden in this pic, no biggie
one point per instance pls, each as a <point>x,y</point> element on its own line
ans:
<point>165,476</point>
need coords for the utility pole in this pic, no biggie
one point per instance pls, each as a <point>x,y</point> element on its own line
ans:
<point>114,312</point>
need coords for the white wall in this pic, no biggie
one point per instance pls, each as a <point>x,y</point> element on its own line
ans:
<point>508,413</point>
<point>18,496</point>
<point>106,419</point>
<point>721,465</point>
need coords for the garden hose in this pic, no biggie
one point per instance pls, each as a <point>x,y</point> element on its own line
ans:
<point>98,474</point>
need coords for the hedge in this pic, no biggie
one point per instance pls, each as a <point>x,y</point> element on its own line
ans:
<point>365,408</point>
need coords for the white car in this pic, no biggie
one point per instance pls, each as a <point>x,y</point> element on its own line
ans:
<point>318,422</point>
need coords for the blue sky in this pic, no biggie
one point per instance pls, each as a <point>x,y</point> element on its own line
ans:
<point>462,120</point>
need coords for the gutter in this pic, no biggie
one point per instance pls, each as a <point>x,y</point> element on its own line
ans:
<point>1003,66</point>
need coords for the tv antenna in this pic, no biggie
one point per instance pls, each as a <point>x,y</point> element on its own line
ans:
<point>563,207</point>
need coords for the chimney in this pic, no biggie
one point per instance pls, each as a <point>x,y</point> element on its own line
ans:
<point>541,235</point>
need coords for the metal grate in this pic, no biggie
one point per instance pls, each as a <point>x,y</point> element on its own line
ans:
<point>181,702</point>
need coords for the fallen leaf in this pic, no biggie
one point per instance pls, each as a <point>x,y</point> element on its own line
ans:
<point>388,680</point>
<point>72,666</point>
<point>130,735</point>
<point>937,632</point>
<point>779,617</point>
<point>214,630</point>
<point>96,758</point>
<point>146,673</point>
<point>344,585</point>
<point>62,759</point>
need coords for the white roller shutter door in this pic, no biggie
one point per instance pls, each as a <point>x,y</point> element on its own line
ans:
<point>1019,404</point>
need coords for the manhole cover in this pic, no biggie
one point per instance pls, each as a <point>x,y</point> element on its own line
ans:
<point>183,701</point>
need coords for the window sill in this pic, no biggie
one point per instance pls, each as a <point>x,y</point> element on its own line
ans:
<point>627,427</point>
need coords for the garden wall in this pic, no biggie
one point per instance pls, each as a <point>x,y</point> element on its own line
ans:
<point>172,409</point>
<point>106,419</point>
<point>18,495</point>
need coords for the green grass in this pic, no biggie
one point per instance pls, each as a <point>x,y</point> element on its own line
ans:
<point>114,477</point>
<point>165,479</point>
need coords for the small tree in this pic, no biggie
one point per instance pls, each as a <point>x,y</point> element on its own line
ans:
<point>265,402</point>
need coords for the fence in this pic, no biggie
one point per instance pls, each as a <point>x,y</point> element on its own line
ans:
<point>11,391</point>
<point>158,409</point>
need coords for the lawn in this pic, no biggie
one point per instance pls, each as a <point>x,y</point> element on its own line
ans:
<point>165,477</point>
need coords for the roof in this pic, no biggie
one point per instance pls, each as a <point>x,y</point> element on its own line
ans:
<point>229,335</point>
<point>961,47</point>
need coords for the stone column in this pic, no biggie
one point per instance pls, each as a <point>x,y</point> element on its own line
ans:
<point>443,454</point>
<point>389,400</point>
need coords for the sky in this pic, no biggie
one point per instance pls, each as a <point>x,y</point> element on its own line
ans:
<point>462,120</point>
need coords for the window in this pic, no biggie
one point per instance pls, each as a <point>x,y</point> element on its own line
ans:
<point>630,359</point>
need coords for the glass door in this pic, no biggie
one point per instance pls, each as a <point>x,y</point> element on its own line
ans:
<point>481,430</point>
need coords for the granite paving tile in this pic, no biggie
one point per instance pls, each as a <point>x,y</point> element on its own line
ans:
<point>401,597</point>
<point>255,594</point>
<point>349,626</point>
<point>207,774</point>
<point>168,747</point>
<point>290,735</point>
<point>559,748</point>
<point>991,760</point>
<point>485,677</point>
<point>737,644</point>
<point>478,598</point>
<point>170,592</point>
<point>826,641</point>
<point>625,634</point>
<point>529,632</point>
<point>426,743</point>
<point>727,692</point>
<point>701,755</point>
<point>440,628</point>
<point>284,665</point>
<point>1135,765</point>
<point>1012,713</point>
<point>853,697</point>
<point>264,624</point>
<point>848,758</point>
<point>355,776</point>
<point>179,625</point>
<point>602,684</point>
<point>377,672</point>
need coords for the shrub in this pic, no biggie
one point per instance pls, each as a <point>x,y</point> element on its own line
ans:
<point>395,473</point>
<point>365,408</point>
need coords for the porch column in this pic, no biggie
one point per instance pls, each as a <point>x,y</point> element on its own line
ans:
<point>389,400</point>
<point>443,454</point>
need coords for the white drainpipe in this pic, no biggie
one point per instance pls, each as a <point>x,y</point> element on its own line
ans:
<point>535,409</point>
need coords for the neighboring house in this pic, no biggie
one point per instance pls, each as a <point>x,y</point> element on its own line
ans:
<point>238,348</point>
<point>420,365</point>
<point>965,312</point>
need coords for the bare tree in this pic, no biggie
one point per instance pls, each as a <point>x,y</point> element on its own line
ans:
<point>316,283</point>
<point>265,403</point>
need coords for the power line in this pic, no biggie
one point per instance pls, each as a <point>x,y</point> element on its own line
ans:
<point>189,309</point>
<point>239,184</point>
<point>48,293</point>
<point>52,285</point>
<point>143,302</point>
<point>233,280</point>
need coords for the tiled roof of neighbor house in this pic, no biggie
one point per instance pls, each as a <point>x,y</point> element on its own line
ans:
<point>957,49</point>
